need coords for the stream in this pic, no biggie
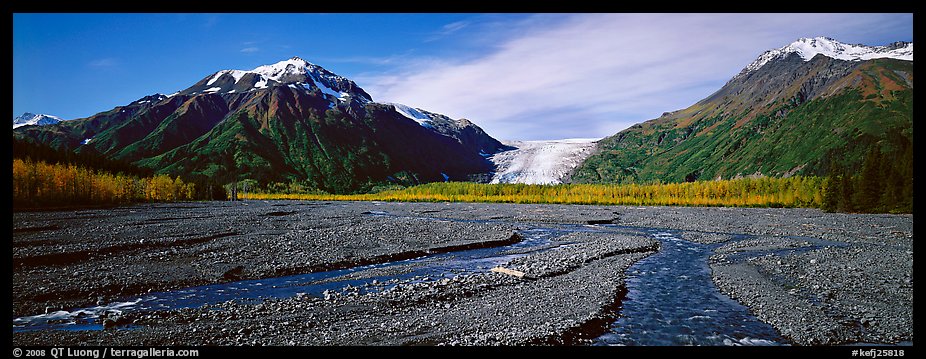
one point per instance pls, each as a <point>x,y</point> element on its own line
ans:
<point>426,268</point>
<point>671,299</point>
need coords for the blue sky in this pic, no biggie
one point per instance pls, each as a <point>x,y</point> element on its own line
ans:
<point>519,76</point>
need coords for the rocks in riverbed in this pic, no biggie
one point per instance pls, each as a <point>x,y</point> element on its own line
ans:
<point>336,232</point>
<point>234,273</point>
<point>587,246</point>
<point>837,294</point>
<point>474,309</point>
<point>114,319</point>
<point>484,308</point>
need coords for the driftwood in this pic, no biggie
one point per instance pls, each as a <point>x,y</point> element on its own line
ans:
<point>507,271</point>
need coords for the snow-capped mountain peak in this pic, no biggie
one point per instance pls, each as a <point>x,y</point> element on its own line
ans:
<point>294,72</point>
<point>807,48</point>
<point>281,70</point>
<point>292,69</point>
<point>31,119</point>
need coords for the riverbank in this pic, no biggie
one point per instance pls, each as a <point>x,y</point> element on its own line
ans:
<point>573,293</point>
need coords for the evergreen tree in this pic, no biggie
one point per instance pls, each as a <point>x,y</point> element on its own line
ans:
<point>904,167</point>
<point>892,193</point>
<point>868,196</point>
<point>831,191</point>
<point>845,194</point>
<point>228,170</point>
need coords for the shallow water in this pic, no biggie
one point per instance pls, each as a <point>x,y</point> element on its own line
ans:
<point>426,268</point>
<point>671,300</point>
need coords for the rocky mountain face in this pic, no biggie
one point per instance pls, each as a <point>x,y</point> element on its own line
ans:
<point>800,109</point>
<point>808,48</point>
<point>289,121</point>
<point>464,131</point>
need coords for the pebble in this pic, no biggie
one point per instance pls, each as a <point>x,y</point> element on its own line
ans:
<point>482,299</point>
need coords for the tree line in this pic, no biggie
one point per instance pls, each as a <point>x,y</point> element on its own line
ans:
<point>884,183</point>
<point>43,176</point>
<point>744,192</point>
<point>87,158</point>
<point>38,184</point>
<point>47,177</point>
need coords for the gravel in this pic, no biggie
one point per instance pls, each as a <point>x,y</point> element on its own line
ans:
<point>572,298</point>
<point>855,287</point>
<point>100,255</point>
<point>824,295</point>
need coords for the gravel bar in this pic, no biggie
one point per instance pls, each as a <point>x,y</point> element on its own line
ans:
<point>819,278</point>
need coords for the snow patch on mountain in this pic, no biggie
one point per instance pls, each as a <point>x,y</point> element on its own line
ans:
<point>262,84</point>
<point>279,70</point>
<point>32,119</point>
<point>807,48</point>
<point>339,95</point>
<point>157,97</point>
<point>411,113</point>
<point>540,162</point>
<point>283,72</point>
<point>294,71</point>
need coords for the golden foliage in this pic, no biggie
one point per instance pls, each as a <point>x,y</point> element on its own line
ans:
<point>40,183</point>
<point>745,192</point>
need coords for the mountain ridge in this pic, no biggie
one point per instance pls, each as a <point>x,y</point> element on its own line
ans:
<point>807,48</point>
<point>790,116</point>
<point>291,121</point>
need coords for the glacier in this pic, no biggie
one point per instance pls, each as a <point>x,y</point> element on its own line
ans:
<point>540,162</point>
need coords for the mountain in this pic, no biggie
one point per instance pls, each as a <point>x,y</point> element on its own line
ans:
<point>292,121</point>
<point>465,132</point>
<point>802,109</point>
<point>540,162</point>
<point>31,119</point>
<point>807,48</point>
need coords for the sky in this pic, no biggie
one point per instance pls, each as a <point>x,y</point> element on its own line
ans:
<point>518,76</point>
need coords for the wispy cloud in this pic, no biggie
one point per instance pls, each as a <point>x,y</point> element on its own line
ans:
<point>590,75</point>
<point>454,27</point>
<point>447,30</point>
<point>250,49</point>
<point>104,62</point>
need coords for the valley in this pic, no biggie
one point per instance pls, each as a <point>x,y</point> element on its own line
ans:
<point>260,199</point>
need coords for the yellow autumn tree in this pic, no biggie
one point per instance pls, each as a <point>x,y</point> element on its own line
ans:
<point>36,183</point>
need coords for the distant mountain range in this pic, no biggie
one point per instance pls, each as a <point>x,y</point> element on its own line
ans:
<point>289,121</point>
<point>802,109</point>
<point>797,110</point>
<point>31,119</point>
